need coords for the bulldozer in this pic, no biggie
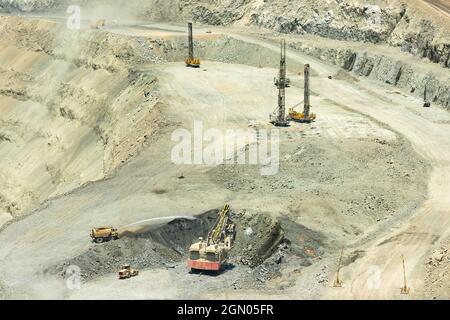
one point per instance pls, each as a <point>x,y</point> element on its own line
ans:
<point>127,272</point>
<point>100,235</point>
<point>212,254</point>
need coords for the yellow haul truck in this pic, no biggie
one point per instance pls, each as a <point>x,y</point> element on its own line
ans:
<point>100,235</point>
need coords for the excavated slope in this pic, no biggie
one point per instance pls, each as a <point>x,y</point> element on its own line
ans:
<point>416,26</point>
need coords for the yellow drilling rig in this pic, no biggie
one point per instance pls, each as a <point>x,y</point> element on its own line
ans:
<point>307,116</point>
<point>212,254</point>
<point>191,61</point>
<point>405,289</point>
<point>278,117</point>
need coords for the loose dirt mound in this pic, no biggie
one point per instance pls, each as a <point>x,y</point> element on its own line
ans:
<point>258,238</point>
<point>317,168</point>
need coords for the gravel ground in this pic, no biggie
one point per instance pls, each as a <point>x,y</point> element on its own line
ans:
<point>263,247</point>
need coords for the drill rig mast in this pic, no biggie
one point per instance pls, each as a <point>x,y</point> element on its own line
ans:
<point>307,116</point>
<point>191,61</point>
<point>405,289</point>
<point>278,118</point>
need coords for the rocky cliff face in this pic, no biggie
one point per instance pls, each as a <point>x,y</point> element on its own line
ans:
<point>396,24</point>
<point>417,80</point>
<point>412,26</point>
<point>333,19</point>
<point>28,5</point>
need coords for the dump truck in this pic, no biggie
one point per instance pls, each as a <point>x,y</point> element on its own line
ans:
<point>100,235</point>
<point>127,272</point>
<point>212,254</point>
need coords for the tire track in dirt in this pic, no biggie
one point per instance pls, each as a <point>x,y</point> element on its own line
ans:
<point>440,5</point>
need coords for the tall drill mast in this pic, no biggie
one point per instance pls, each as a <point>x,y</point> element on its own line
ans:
<point>405,289</point>
<point>191,61</point>
<point>191,41</point>
<point>279,117</point>
<point>307,105</point>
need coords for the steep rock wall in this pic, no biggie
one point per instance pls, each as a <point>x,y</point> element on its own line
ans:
<point>418,81</point>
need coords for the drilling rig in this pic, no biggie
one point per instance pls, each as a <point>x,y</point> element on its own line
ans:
<point>338,283</point>
<point>212,254</point>
<point>191,61</point>
<point>278,118</point>
<point>307,116</point>
<point>405,289</point>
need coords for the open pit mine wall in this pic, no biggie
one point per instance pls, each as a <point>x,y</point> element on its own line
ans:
<point>398,26</point>
<point>394,22</point>
<point>420,82</point>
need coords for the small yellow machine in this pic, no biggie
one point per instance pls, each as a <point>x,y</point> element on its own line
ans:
<point>193,62</point>
<point>100,235</point>
<point>307,116</point>
<point>127,272</point>
<point>300,116</point>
